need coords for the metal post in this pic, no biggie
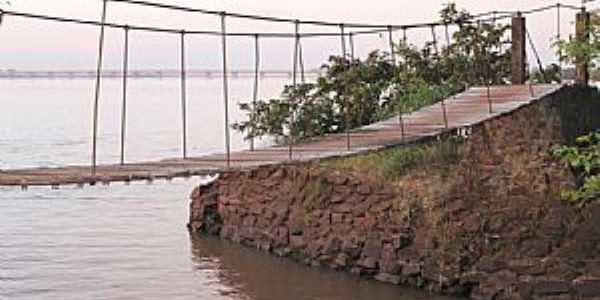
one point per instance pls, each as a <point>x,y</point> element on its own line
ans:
<point>345,100</point>
<point>487,75</point>
<point>531,93</point>
<point>391,41</point>
<point>301,62</point>
<point>447,32</point>
<point>400,119</point>
<point>444,113</point>
<point>518,49</point>
<point>400,114</point>
<point>501,44</point>
<point>351,41</point>
<point>558,37</point>
<point>489,97</point>
<point>294,82</point>
<point>225,87</point>
<point>255,92</point>
<point>435,44</point>
<point>183,97</point>
<point>400,109</point>
<point>97,88</point>
<point>124,103</point>
<point>582,35</point>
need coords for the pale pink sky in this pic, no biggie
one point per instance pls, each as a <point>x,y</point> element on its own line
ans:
<point>42,45</point>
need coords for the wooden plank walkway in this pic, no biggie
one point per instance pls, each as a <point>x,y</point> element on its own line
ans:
<point>463,110</point>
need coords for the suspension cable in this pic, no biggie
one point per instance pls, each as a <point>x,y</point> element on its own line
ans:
<point>279,19</point>
<point>535,52</point>
<point>374,28</point>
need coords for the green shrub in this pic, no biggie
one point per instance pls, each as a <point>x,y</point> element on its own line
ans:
<point>584,159</point>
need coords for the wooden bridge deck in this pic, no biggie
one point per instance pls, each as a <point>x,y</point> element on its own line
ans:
<point>463,110</point>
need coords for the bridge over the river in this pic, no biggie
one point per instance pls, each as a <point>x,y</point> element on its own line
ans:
<point>462,111</point>
<point>473,106</point>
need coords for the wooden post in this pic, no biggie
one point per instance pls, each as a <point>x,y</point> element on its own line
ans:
<point>518,49</point>
<point>582,25</point>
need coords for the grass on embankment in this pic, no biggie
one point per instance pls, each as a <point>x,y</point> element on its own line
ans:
<point>393,163</point>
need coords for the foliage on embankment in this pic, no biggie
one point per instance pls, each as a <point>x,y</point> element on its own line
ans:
<point>584,159</point>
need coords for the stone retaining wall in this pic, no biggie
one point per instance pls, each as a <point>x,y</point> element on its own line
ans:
<point>490,226</point>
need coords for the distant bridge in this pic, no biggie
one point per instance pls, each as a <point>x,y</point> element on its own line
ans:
<point>198,73</point>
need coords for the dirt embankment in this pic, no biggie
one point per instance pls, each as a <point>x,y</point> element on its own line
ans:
<point>483,220</point>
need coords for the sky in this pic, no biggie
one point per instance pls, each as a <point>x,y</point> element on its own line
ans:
<point>34,44</point>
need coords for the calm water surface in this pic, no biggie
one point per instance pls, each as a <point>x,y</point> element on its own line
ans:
<point>130,242</point>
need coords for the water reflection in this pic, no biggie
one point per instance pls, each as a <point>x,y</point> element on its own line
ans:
<point>252,274</point>
<point>130,242</point>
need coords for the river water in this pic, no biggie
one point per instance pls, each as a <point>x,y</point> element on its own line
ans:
<point>130,241</point>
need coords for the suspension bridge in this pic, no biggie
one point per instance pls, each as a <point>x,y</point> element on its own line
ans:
<point>467,109</point>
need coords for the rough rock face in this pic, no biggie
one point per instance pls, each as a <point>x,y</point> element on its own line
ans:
<point>491,226</point>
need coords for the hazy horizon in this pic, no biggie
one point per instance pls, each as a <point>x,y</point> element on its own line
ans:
<point>34,44</point>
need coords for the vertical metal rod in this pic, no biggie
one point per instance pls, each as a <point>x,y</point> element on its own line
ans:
<point>255,91</point>
<point>444,113</point>
<point>448,46</point>
<point>558,37</point>
<point>183,97</point>
<point>487,75</point>
<point>489,97</point>
<point>225,87</point>
<point>347,105</point>
<point>447,32</point>
<point>124,104</point>
<point>294,82</point>
<point>494,21</point>
<point>400,109</point>
<point>391,41</point>
<point>97,88</point>
<point>400,114</point>
<point>531,93</point>
<point>351,41</point>
<point>301,62</point>
<point>435,44</point>
<point>343,41</point>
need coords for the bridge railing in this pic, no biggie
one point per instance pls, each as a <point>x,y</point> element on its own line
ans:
<point>347,33</point>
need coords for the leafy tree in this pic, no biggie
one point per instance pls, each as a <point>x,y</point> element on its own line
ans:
<point>351,93</point>
<point>573,50</point>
